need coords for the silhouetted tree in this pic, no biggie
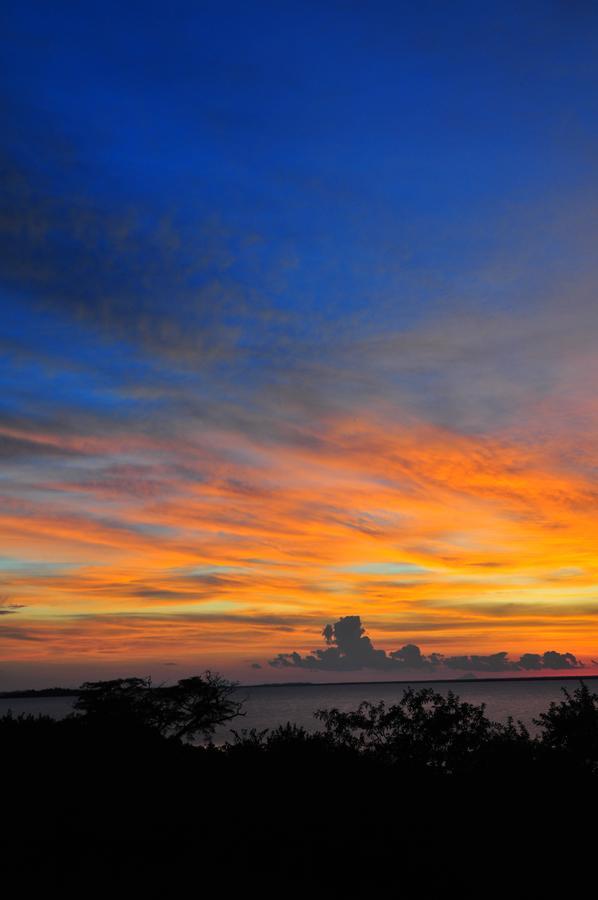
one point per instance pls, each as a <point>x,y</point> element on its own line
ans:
<point>571,727</point>
<point>121,700</point>
<point>192,706</point>
<point>197,705</point>
<point>424,730</point>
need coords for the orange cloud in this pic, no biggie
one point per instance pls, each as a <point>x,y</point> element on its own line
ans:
<point>458,541</point>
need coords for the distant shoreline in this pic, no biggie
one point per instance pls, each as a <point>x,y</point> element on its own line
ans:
<point>39,694</point>
<point>422,681</point>
<point>49,693</point>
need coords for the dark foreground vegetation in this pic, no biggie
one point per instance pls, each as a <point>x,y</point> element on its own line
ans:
<point>406,785</point>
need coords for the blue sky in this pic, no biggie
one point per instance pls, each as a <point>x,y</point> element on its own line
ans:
<point>255,229</point>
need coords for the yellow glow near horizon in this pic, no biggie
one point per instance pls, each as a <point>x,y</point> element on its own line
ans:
<point>456,543</point>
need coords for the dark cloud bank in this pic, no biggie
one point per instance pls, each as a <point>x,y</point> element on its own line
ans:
<point>349,649</point>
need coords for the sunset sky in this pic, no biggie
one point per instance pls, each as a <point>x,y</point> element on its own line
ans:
<point>299,322</point>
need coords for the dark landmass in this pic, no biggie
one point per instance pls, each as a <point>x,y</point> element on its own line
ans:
<point>427,789</point>
<point>74,692</point>
<point>464,680</point>
<point>44,692</point>
<point>424,794</point>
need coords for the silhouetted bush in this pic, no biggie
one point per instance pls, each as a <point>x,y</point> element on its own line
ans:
<point>122,767</point>
<point>424,730</point>
<point>570,728</point>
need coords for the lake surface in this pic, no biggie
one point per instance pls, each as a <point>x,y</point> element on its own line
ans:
<point>267,706</point>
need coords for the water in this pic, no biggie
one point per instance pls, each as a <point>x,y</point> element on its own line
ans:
<point>267,706</point>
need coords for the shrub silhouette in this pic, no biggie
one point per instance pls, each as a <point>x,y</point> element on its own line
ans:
<point>191,707</point>
<point>424,730</point>
<point>127,724</point>
<point>570,728</point>
<point>290,742</point>
<point>373,778</point>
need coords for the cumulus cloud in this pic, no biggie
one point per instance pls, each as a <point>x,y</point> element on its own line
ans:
<point>500,662</point>
<point>350,649</point>
<point>493,662</point>
<point>549,660</point>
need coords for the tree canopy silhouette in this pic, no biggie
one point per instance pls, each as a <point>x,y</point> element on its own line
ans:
<point>571,727</point>
<point>424,729</point>
<point>193,706</point>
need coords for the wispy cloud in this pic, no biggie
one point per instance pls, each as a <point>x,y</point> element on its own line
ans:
<point>283,346</point>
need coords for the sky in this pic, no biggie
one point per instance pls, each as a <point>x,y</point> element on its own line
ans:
<point>298,338</point>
